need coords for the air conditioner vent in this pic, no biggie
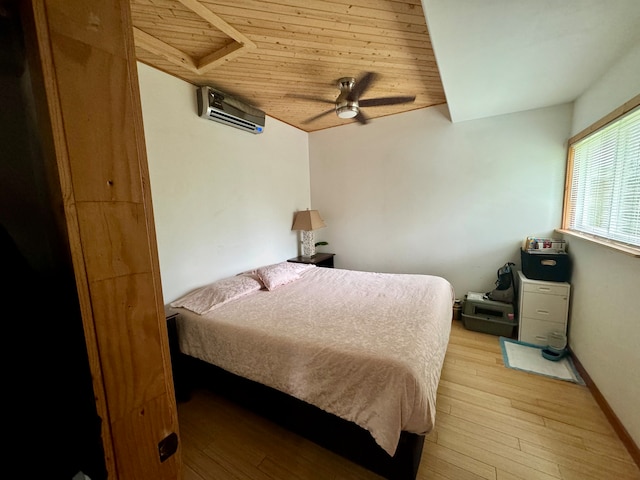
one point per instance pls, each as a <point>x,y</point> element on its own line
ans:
<point>219,107</point>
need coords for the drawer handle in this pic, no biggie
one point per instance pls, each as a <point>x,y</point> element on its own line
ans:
<point>543,312</point>
<point>544,289</point>
<point>541,338</point>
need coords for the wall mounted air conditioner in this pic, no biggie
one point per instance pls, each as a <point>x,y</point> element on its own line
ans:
<point>220,107</point>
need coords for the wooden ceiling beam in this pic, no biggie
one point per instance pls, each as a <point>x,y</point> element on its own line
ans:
<point>220,56</point>
<point>166,51</point>
<point>196,7</point>
<point>240,42</point>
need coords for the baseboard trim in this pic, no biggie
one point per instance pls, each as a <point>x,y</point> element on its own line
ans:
<point>617,425</point>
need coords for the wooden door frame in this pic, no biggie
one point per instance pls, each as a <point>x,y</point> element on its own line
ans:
<point>82,62</point>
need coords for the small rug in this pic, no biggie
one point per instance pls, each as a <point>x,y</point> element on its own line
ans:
<point>528,358</point>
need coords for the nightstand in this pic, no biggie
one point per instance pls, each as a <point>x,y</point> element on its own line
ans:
<point>319,259</point>
<point>182,393</point>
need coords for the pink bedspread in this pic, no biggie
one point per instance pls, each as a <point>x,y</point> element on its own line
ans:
<point>367,347</point>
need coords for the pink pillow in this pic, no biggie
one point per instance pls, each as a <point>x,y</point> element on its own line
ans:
<point>273,276</point>
<point>207,298</point>
<point>252,274</point>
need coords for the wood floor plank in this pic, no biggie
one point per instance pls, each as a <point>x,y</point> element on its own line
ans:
<point>506,412</point>
<point>586,409</point>
<point>481,397</point>
<point>504,422</point>
<point>459,365</point>
<point>189,474</point>
<point>502,475</point>
<point>511,390</point>
<point>236,451</point>
<point>442,406</point>
<point>552,389</point>
<point>294,470</point>
<point>453,457</point>
<point>439,468</point>
<point>482,357</point>
<point>199,437</point>
<point>569,474</point>
<point>597,424</point>
<point>508,459</point>
<point>205,466</point>
<point>604,445</point>
<point>235,464</point>
<point>523,385</point>
<point>456,424</point>
<point>472,340</point>
<point>579,460</point>
<point>607,438</point>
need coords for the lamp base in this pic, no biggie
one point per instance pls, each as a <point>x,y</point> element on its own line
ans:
<point>308,244</point>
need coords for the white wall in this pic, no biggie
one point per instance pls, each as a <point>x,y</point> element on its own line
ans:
<point>416,193</point>
<point>617,86</point>
<point>605,318</point>
<point>223,198</point>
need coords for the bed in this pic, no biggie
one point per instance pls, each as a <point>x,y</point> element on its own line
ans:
<point>361,351</point>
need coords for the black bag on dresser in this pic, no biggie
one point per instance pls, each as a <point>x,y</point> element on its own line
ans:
<point>505,290</point>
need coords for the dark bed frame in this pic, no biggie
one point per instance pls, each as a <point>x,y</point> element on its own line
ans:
<point>329,431</point>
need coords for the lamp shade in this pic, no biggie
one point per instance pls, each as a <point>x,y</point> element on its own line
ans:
<point>308,220</point>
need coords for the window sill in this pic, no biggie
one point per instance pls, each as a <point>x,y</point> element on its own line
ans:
<point>626,249</point>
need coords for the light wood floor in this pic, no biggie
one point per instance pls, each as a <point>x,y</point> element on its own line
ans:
<point>492,423</point>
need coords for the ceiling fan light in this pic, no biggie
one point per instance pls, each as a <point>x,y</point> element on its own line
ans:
<point>348,111</point>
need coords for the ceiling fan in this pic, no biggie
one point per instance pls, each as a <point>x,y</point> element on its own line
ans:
<point>349,105</point>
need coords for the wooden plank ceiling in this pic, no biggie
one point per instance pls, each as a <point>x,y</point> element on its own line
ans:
<point>261,51</point>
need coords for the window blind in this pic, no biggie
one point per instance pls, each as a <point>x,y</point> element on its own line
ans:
<point>604,196</point>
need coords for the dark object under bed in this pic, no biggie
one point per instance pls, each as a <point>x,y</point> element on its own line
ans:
<point>329,431</point>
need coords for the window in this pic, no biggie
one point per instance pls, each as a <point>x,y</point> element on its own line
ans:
<point>603,183</point>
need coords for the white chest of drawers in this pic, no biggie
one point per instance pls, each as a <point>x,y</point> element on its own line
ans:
<point>543,307</point>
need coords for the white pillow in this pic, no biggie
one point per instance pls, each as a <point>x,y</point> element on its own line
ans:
<point>207,298</point>
<point>278,274</point>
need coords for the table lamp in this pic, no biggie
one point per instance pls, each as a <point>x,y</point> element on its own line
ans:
<point>307,221</point>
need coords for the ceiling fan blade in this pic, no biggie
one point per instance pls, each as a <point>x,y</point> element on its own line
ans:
<point>362,118</point>
<point>377,102</point>
<point>309,97</point>
<point>320,115</point>
<point>361,86</point>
